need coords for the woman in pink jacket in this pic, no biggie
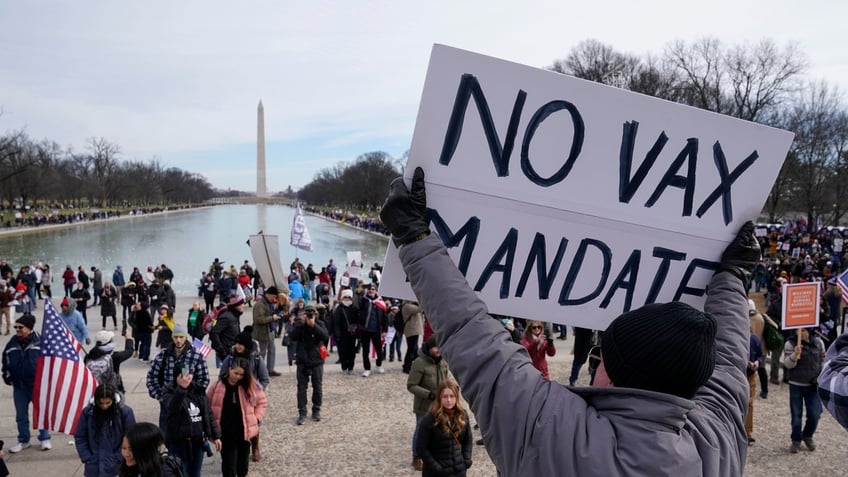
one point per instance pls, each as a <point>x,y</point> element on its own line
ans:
<point>238,404</point>
<point>538,345</point>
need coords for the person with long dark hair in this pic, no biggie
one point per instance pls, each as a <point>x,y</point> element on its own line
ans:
<point>100,432</point>
<point>444,437</point>
<point>145,455</point>
<point>238,404</point>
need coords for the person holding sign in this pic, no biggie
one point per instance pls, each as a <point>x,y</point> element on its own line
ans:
<point>678,391</point>
<point>803,362</point>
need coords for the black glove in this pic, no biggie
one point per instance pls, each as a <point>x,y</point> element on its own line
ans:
<point>742,255</point>
<point>403,212</point>
<point>431,396</point>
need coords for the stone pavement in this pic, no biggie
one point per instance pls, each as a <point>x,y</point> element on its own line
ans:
<point>367,425</point>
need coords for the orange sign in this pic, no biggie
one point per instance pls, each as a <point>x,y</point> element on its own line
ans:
<point>801,305</point>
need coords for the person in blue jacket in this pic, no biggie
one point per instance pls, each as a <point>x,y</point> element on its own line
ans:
<point>100,431</point>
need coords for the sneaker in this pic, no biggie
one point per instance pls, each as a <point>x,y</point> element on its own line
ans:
<point>46,445</point>
<point>479,442</point>
<point>751,440</point>
<point>795,447</point>
<point>19,447</point>
<point>301,419</point>
<point>316,416</point>
<point>381,370</point>
<point>808,441</point>
<point>764,395</point>
<point>366,373</point>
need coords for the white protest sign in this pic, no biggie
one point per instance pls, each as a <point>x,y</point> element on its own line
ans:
<point>837,245</point>
<point>354,264</point>
<point>571,201</point>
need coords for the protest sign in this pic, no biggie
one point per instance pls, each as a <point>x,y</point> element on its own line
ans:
<point>800,305</point>
<point>353,266</point>
<point>570,201</point>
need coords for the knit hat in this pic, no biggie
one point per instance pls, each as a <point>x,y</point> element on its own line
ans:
<point>27,320</point>
<point>347,294</point>
<point>245,338</point>
<point>164,306</point>
<point>179,330</point>
<point>667,348</point>
<point>235,301</point>
<point>64,301</point>
<point>103,336</point>
<point>272,291</point>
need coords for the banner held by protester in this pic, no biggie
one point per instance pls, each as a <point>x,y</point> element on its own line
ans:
<point>576,201</point>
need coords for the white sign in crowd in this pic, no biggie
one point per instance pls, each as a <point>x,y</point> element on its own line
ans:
<point>570,201</point>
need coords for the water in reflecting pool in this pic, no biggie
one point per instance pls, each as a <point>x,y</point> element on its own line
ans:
<point>187,242</point>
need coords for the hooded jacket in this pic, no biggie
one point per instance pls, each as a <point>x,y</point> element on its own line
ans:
<point>536,427</point>
<point>424,377</point>
<point>308,340</point>
<point>73,320</point>
<point>98,441</point>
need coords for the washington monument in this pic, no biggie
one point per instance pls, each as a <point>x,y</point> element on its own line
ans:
<point>261,189</point>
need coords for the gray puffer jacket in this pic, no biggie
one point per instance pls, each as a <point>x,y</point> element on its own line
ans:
<point>536,427</point>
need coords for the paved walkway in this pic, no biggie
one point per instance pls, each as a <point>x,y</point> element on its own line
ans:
<point>368,424</point>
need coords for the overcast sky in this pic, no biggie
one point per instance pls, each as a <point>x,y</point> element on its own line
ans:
<point>180,81</point>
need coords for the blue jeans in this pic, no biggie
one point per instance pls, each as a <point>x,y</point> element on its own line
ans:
<point>800,397</point>
<point>22,397</point>
<point>191,454</point>
<point>144,340</point>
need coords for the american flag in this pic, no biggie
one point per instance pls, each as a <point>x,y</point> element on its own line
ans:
<point>842,281</point>
<point>201,347</point>
<point>63,385</point>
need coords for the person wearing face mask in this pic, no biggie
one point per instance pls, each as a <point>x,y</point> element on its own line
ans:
<point>346,322</point>
<point>372,317</point>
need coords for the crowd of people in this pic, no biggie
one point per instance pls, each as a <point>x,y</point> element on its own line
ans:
<point>317,311</point>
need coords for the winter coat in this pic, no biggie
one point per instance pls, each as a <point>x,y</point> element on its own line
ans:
<point>538,353</point>
<point>258,368</point>
<point>99,446</point>
<point>19,361</point>
<point>224,333</point>
<point>263,317</point>
<point>107,301</point>
<point>184,408</point>
<point>442,455</point>
<point>342,317</point>
<point>413,322</point>
<point>68,277</point>
<point>536,427</point>
<point>833,380</point>
<point>161,373</point>
<point>252,408</point>
<point>73,320</point>
<point>424,378</point>
<point>307,341</point>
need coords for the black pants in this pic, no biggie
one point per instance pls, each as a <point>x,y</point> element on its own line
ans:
<point>347,351</point>
<point>375,340</point>
<point>234,457</point>
<point>304,374</point>
<point>411,352</point>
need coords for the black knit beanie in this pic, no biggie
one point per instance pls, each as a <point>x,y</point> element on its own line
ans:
<point>667,348</point>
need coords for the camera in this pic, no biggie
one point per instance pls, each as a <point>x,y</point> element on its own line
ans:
<point>208,449</point>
